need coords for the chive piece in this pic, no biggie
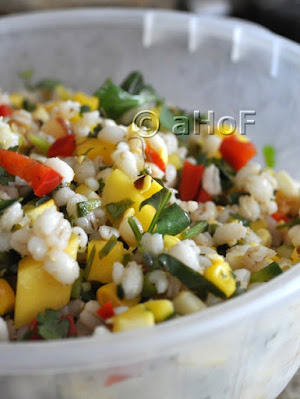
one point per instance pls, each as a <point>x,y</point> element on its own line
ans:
<point>120,292</point>
<point>40,201</point>
<point>135,229</point>
<point>117,209</point>
<point>126,259</point>
<point>292,223</point>
<point>101,185</point>
<point>245,221</point>
<point>108,247</point>
<point>90,262</point>
<point>198,228</point>
<point>40,143</point>
<point>84,108</point>
<point>76,286</point>
<point>269,154</point>
<point>4,204</point>
<point>266,274</point>
<point>149,289</point>
<point>86,207</point>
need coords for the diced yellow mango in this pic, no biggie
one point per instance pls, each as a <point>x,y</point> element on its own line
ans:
<point>38,290</point>
<point>108,293</point>
<point>221,275</point>
<point>34,211</point>
<point>87,192</point>
<point>161,309</point>
<point>16,99</point>
<point>174,160</point>
<point>63,92</point>
<point>265,236</point>
<point>84,99</point>
<point>258,224</point>
<point>101,269</point>
<point>136,317</point>
<point>92,148</point>
<point>170,241</point>
<point>7,297</point>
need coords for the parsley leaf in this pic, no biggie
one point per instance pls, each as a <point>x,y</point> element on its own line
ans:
<point>117,209</point>
<point>172,220</point>
<point>86,207</point>
<point>51,326</point>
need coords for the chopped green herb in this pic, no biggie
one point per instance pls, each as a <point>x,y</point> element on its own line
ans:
<point>90,262</point>
<point>189,277</point>
<point>4,204</point>
<point>245,221</point>
<point>51,326</point>
<point>166,117</point>
<point>149,259</point>
<point>40,143</point>
<point>101,185</point>
<point>266,274</point>
<point>198,228</point>
<point>108,246</point>
<point>133,83</point>
<point>212,228</point>
<point>39,201</point>
<point>120,292</point>
<point>117,209</point>
<point>28,105</point>
<point>292,223</point>
<point>126,259</point>
<point>86,207</point>
<point>226,173</point>
<point>103,167</point>
<point>229,199</point>
<point>135,229</point>
<point>76,287</point>
<point>149,289</point>
<point>84,108</point>
<point>47,84</point>
<point>95,131</point>
<point>172,220</point>
<point>269,154</point>
<point>5,177</point>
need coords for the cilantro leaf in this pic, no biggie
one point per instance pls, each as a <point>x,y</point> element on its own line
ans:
<point>133,83</point>
<point>172,220</point>
<point>86,207</point>
<point>117,209</point>
<point>51,326</point>
<point>159,201</point>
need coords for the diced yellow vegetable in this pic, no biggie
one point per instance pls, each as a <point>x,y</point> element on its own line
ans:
<point>87,192</point>
<point>136,317</point>
<point>170,241</point>
<point>84,99</point>
<point>258,224</point>
<point>34,211</point>
<point>16,100</point>
<point>161,309</point>
<point>108,293</point>
<point>186,303</point>
<point>101,269</point>
<point>92,148</point>
<point>63,93</point>
<point>174,160</point>
<point>7,297</point>
<point>295,256</point>
<point>221,275</point>
<point>265,236</point>
<point>38,290</point>
<point>50,105</point>
<point>285,251</point>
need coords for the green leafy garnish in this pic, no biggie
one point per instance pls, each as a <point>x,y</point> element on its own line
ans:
<point>159,201</point>
<point>4,204</point>
<point>289,224</point>
<point>47,84</point>
<point>90,262</point>
<point>39,201</point>
<point>133,83</point>
<point>226,173</point>
<point>269,155</point>
<point>76,286</point>
<point>5,177</point>
<point>198,228</point>
<point>40,143</point>
<point>149,289</point>
<point>84,108</point>
<point>229,199</point>
<point>96,130</point>
<point>266,274</point>
<point>126,259</point>
<point>108,246</point>
<point>189,277</point>
<point>51,326</point>
<point>28,105</point>
<point>245,221</point>
<point>172,220</point>
<point>101,185</point>
<point>117,209</point>
<point>135,229</point>
<point>166,118</point>
<point>86,207</point>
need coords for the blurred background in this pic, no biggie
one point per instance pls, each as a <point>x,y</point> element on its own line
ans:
<point>281,16</point>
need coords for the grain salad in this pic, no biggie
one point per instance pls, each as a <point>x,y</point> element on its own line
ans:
<point>105,229</point>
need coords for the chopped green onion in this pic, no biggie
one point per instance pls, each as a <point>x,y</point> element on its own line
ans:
<point>101,185</point>
<point>149,289</point>
<point>86,207</point>
<point>245,221</point>
<point>117,209</point>
<point>126,259</point>
<point>42,144</point>
<point>269,154</point>
<point>292,223</point>
<point>135,229</point>
<point>266,274</point>
<point>4,204</point>
<point>198,228</point>
<point>90,262</point>
<point>76,287</point>
<point>108,247</point>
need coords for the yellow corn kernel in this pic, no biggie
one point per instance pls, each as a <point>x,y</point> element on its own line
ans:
<point>265,236</point>
<point>136,317</point>
<point>87,192</point>
<point>186,303</point>
<point>63,93</point>
<point>84,99</point>
<point>170,241</point>
<point>7,297</point>
<point>258,224</point>
<point>108,293</point>
<point>295,256</point>
<point>101,269</point>
<point>161,309</point>
<point>221,275</point>
<point>92,148</point>
<point>174,160</point>
<point>16,100</point>
<point>34,211</point>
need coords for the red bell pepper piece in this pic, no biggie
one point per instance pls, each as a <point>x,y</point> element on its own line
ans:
<point>278,216</point>
<point>106,311</point>
<point>64,147</point>
<point>153,157</point>
<point>203,196</point>
<point>115,378</point>
<point>190,181</point>
<point>237,153</point>
<point>5,110</point>
<point>72,330</point>
<point>40,177</point>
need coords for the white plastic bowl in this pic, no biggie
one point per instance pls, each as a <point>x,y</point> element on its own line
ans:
<point>247,348</point>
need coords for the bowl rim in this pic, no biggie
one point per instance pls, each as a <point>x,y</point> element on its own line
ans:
<point>124,348</point>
